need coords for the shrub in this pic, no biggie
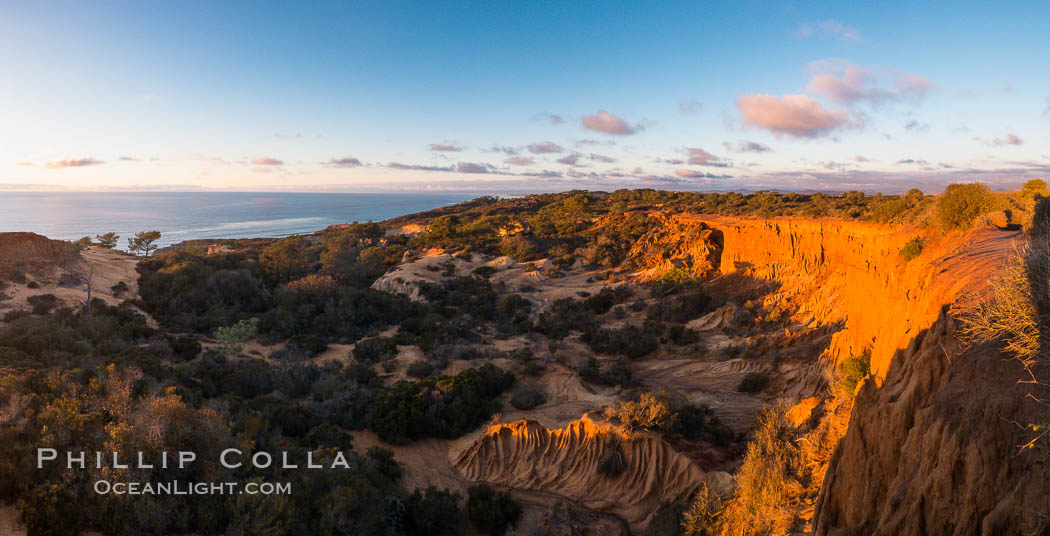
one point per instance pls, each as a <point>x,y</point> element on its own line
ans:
<point>50,510</point>
<point>630,341</point>
<point>432,512</point>
<point>651,410</point>
<point>420,369</point>
<point>753,382</point>
<point>702,518</point>
<point>667,520</point>
<point>374,349</point>
<point>518,247</point>
<point>440,406</point>
<point>120,288</point>
<point>962,203</point>
<point>527,396</point>
<point>912,248</point>
<point>490,511</point>
<point>853,370</point>
<point>770,482</point>
<point>696,422</point>
<point>33,285</point>
<point>42,303</point>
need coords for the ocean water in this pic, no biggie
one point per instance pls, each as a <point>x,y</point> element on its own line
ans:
<point>185,216</point>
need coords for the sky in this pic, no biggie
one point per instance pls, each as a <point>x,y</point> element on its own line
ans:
<point>525,96</point>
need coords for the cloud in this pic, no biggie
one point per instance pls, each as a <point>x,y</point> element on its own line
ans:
<point>745,146</point>
<point>691,174</point>
<point>520,161</point>
<point>964,94</point>
<point>545,148</point>
<point>860,158</point>
<point>700,157</point>
<point>554,119</point>
<point>690,106</point>
<point>602,158</point>
<point>917,162</point>
<point>1010,139</point>
<point>793,115</point>
<point>570,159</point>
<point>283,136</point>
<point>444,148</point>
<point>68,162</point>
<point>266,161</point>
<point>472,167</point>
<point>130,159</point>
<point>846,83</point>
<point>24,164</point>
<point>503,149</point>
<point>608,123</point>
<point>413,167</point>
<point>344,162</point>
<point>828,28</point>
<point>916,126</point>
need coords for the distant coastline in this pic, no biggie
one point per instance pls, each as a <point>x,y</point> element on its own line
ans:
<point>201,215</point>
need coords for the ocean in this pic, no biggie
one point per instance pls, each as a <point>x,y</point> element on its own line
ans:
<point>185,216</point>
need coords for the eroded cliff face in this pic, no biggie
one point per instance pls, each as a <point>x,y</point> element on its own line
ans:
<point>932,442</point>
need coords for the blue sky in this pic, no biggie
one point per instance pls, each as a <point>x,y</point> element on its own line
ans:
<point>522,96</point>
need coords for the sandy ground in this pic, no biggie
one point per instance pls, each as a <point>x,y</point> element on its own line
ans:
<point>104,268</point>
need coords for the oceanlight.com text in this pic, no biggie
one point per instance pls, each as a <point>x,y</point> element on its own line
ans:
<point>175,487</point>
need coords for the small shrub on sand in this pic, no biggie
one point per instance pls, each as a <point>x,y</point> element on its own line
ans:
<point>912,249</point>
<point>753,382</point>
<point>852,371</point>
<point>651,410</point>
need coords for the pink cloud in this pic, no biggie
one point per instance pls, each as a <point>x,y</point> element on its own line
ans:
<point>860,158</point>
<point>700,157</point>
<point>608,123</point>
<point>794,115</point>
<point>545,148</point>
<point>266,161</point>
<point>1010,139</point>
<point>602,158</point>
<point>688,173</point>
<point>73,162</point>
<point>445,148</point>
<point>841,81</point>
<point>520,161</point>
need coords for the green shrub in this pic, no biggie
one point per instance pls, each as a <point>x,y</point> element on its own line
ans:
<point>374,349</point>
<point>490,511</point>
<point>912,248</point>
<point>962,203</point>
<point>753,382</point>
<point>50,510</point>
<point>42,303</point>
<point>853,370</point>
<point>440,406</point>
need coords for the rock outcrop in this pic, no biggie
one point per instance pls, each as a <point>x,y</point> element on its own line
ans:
<point>527,455</point>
